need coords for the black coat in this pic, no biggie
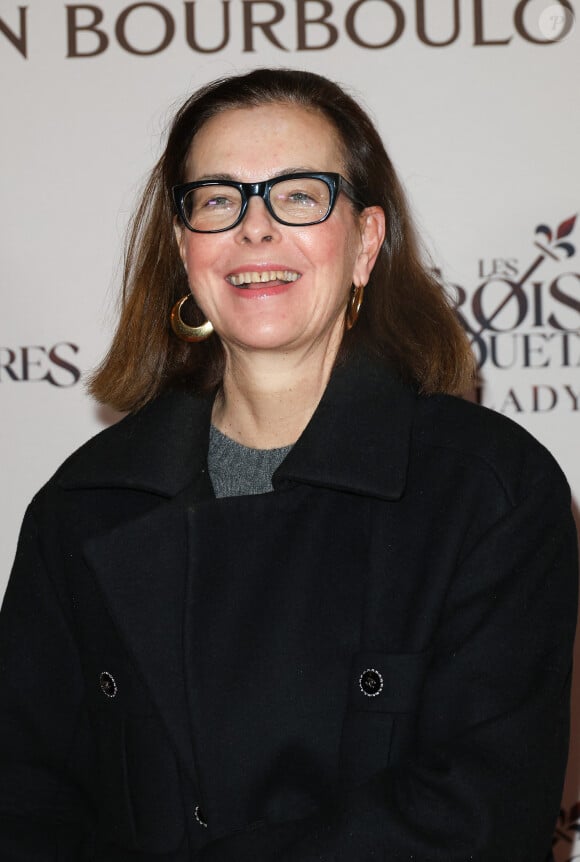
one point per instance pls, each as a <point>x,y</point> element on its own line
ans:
<point>370,663</point>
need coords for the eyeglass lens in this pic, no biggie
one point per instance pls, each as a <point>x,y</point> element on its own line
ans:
<point>295,201</point>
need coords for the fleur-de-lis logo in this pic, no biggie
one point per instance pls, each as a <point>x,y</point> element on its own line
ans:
<point>565,834</point>
<point>564,229</point>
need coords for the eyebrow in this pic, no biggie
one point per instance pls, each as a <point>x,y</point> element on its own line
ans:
<point>232,179</point>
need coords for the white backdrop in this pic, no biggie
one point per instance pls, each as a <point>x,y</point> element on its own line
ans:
<point>477,100</point>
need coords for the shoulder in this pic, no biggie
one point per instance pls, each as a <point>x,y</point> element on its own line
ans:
<point>486,442</point>
<point>112,444</point>
<point>153,449</point>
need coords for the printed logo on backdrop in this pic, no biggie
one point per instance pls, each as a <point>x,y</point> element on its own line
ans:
<point>35,364</point>
<point>524,316</point>
<point>566,834</point>
<point>144,29</point>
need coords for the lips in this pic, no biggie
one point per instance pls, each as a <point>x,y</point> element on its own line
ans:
<point>240,279</point>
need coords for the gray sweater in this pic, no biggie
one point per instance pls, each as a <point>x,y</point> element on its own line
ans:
<point>236,470</point>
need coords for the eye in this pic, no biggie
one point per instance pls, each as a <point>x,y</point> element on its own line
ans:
<point>211,207</point>
<point>300,197</point>
<point>295,196</point>
<point>215,201</point>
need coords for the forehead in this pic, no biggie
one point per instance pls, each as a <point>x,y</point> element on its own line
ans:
<point>256,143</point>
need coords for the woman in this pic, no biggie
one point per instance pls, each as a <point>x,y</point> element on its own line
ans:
<point>300,604</point>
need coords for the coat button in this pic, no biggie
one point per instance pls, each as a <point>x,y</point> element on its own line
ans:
<point>371,682</point>
<point>199,816</point>
<point>108,684</point>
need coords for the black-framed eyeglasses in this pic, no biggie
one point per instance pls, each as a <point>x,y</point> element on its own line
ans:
<point>297,199</point>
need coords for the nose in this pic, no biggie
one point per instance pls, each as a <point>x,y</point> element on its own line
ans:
<point>257,224</point>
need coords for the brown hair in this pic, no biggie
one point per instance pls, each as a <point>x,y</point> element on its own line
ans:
<point>405,317</point>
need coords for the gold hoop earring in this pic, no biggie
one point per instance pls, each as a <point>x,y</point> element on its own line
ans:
<point>183,330</point>
<point>354,305</point>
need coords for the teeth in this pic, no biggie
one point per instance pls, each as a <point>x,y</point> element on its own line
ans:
<point>262,277</point>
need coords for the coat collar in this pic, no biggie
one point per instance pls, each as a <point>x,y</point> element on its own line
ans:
<point>358,438</point>
<point>357,441</point>
<point>161,449</point>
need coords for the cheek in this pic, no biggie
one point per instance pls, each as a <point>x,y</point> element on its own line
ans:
<point>341,241</point>
<point>192,252</point>
<point>197,256</point>
<point>328,250</point>
<point>338,254</point>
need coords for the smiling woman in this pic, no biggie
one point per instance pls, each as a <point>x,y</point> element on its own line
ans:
<point>252,130</point>
<point>301,603</point>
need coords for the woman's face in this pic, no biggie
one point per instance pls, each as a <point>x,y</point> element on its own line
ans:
<point>322,260</point>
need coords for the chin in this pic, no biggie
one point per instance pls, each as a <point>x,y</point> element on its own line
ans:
<point>264,338</point>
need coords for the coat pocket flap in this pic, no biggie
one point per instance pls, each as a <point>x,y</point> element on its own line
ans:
<point>387,682</point>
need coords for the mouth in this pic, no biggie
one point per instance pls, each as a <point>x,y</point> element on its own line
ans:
<point>244,279</point>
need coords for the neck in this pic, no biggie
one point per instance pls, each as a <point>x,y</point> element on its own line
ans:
<point>268,398</point>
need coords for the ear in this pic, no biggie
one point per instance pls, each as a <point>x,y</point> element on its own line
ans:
<point>179,232</point>
<point>372,225</point>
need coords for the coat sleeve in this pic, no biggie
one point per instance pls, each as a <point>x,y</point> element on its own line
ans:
<point>484,781</point>
<point>44,810</point>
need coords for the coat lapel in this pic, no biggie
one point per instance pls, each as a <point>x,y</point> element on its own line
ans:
<point>141,565</point>
<point>141,571</point>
